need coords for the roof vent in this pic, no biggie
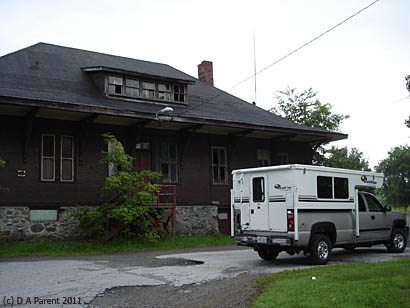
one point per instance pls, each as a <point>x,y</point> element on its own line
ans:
<point>206,72</point>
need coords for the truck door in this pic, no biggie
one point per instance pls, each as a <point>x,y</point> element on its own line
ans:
<point>258,209</point>
<point>374,223</point>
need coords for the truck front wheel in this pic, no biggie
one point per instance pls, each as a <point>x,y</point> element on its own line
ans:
<point>268,254</point>
<point>397,242</point>
<point>319,249</point>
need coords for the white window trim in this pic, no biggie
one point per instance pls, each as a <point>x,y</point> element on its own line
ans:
<point>52,157</point>
<point>168,162</point>
<point>219,165</point>
<point>66,158</point>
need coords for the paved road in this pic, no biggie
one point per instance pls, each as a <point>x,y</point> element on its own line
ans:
<point>78,280</point>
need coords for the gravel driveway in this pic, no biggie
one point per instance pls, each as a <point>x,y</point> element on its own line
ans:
<point>207,277</point>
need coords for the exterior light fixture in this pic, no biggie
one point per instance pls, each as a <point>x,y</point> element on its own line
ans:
<point>164,110</point>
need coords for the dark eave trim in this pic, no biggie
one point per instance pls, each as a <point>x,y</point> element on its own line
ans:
<point>328,136</point>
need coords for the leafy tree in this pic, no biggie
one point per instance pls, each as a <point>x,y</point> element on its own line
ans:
<point>305,108</point>
<point>342,158</point>
<point>396,169</point>
<point>2,163</point>
<point>407,122</point>
<point>132,193</point>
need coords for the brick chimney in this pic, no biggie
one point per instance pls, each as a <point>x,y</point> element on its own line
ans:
<point>206,72</point>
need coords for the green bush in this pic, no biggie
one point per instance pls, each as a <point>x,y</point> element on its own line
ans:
<point>132,194</point>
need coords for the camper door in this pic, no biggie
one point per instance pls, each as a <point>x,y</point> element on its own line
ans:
<point>259,203</point>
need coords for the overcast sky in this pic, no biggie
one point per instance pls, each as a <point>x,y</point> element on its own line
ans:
<point>359,67</point>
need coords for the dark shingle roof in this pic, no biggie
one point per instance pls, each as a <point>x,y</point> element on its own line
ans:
<point>54,73</point>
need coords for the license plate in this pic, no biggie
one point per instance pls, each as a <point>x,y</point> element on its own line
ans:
<point>261,239</point>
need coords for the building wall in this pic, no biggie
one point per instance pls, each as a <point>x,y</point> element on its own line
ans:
<point>194,187</point>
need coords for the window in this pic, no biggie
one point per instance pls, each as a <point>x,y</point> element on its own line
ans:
<point>258,188</point>
<point>65,152</point>
<point>148,89</point>
<point>164,91</point>
<point>48,157</point>
<point>219,166</point>
<point>43,215</point>
<point>329,187</point>
<point>341,188</point>
<point>283,158</point>
<point>67,159</point>
<point>179,93</point>
<point>262,157</point>
<point>169,162</point>
<point>362,207</point>
<point>324,187</point>
<point>132,87</point>
<point>373,204</point>
<point>115,85</point>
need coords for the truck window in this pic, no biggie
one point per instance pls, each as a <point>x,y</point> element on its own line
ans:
<point>258,187</point>
<point>341,188</point>
<point>362,207</point>
<point>324,187</point>
<point>373,204</point>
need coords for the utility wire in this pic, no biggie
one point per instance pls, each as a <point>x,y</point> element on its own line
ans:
<point>304,45</point>
<point>288,55</point>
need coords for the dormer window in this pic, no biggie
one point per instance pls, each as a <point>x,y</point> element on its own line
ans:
<point>164,91</point>
<point>132,87</point>
<point>148,89</point>
<point>179,93</point>
<point>115,85</point>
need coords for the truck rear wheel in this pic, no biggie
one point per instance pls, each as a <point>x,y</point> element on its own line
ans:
<point>268,254</point>
<point>319,249</point>
<point>397,242</point>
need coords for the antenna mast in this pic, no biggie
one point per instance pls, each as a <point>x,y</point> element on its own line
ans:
<point>254,60</point>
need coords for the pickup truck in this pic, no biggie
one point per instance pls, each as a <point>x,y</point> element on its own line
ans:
<point>309,209</point>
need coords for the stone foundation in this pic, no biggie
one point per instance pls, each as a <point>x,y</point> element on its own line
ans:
<point>196,220</point>
<point>15,222</point>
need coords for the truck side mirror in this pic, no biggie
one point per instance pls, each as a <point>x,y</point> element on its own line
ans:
<point>387,208</point>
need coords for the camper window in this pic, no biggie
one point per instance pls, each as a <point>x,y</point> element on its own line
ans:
<point>324,187</point>
<point>341,188</point>
<point>258,189</point>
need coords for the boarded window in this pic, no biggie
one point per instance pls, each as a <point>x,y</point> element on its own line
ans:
<point>148,89</point>
<point>169,162</point>
<point>132,87</point>
<point>258,188</point>
<point>341,188</point>
<point>164,91</point>
<point>48,158</point>
<point>219,165</point>
<point>324,187</point>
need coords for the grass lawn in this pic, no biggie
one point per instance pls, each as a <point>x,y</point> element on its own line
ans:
<point>382,284</point>
<point>83,247</point>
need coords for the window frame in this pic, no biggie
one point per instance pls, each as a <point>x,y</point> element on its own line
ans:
<point>262,189</point>
<point>260,156</point>
<point>332,187</point>
<point>42,157</point>
<point>72,158</point>
<point>219,165</point>
<point>172,94</point>
<point>167,161</point>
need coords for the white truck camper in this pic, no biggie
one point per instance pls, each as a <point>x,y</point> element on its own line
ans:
<point>296,208</point>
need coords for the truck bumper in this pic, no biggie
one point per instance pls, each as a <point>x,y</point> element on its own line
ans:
<point>259,240</point>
